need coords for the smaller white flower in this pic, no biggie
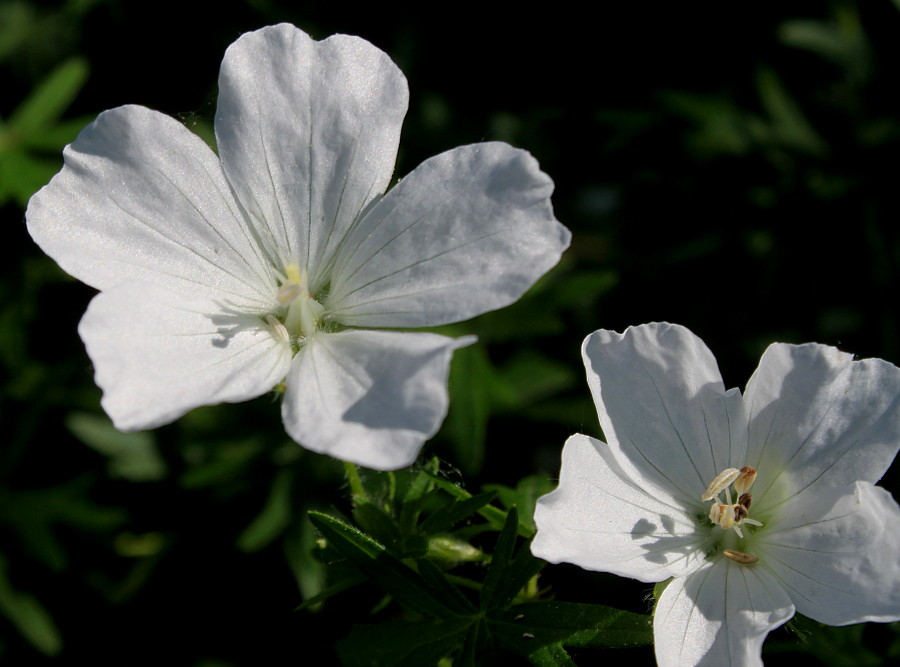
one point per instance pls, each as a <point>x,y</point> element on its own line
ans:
<point>222,276</point>
<point>756,506</point>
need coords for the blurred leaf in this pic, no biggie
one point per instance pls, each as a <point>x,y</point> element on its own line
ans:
<point>416,644</point>
<point>720,126</point>
<point>16,19</point>
<point>472,379</point>
<point>274,518</point>
<point>48,101</point>
<point>21,175</point>
<point>530,376</point>
<point>131,455</point>
<point>789,125</point>
<point>299,544</point>
<point>29,616</point>
<point>841,39</point>
<point>223,463</point>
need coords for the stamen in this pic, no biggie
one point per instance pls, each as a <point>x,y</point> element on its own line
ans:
<point>288,292</point>
<point>740,557</point>
<point>722,481</point>
<point>278,329</point>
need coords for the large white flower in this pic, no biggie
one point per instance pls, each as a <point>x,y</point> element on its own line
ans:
<point>755,505</point>
<point>221,277</point>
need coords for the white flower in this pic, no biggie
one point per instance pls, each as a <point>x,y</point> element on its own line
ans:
<point>811,533</point>
<point>221,277</point>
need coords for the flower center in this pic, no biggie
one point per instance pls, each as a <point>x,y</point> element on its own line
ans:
<point>727,514</point>
<point>303,313</point>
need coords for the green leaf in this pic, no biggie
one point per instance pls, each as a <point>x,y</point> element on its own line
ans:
<point>449,515</point>
<point>471,379</point>
<point>526,628</point>
<point>524,496</point>
<point>299,546</point>
<point>519,572</point>
<point>496,517</point>
<point>447,592</point>
<point>789,124</point>
<point>415,644</point>
<point>131,455</point>
<point>376,522</point>
<point>46,103</point>
<point>384,569</point>
<point>500,561</point>
<point>29,616</point>
<point>552,655</point>
<point>274,518</point>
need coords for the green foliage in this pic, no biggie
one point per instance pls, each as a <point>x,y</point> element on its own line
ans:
<point>33,135</point>
<point>700,190</point>
<point>446,614</point>
<point>28,615</point>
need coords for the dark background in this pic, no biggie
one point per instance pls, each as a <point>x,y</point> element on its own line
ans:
<point>728,168</point>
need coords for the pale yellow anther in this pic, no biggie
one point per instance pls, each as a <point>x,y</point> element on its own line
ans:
<point>744,480</point>
<point>278,329</point>
<point>722,515</point>
<point>740,557</point>
<point>722,481</point>
<point>294,285</point>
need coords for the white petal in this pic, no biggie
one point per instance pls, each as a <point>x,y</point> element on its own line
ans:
<point>142,198</point>
<point>818,417</point>
<point>719,615</point>
<point>837,553</point>
<point>664,409</point>
<point>467,232</point>
<point>157,354</point>
<point>369,397</point>
<point>601,520</point>
<point>308,134</point>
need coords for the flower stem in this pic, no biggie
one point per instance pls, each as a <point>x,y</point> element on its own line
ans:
<point>356,486</point>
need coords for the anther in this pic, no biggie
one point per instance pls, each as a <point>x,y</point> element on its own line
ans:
<point>745,480</point>
<point>745,500</point>
<point>740,557</point>
<point>278,329</point>
<point>722,481</point>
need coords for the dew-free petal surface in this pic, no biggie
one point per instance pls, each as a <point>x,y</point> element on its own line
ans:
<point>142,198</point>
<point>157,354</point>
<point>836,553</point>
<point>466,232</point>
<point>369,397</point>
<point>600,519</point>
<point>820,418</point>
<point>663,407</point>
<point>719,615</point>
<point>308,134</point>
